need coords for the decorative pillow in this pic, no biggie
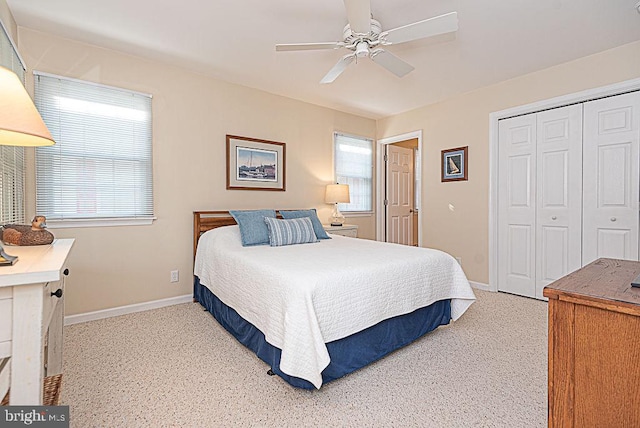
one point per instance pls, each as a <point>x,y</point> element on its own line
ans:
<point>253,229</point>
<point>289,232</point>
<point>315,221</point>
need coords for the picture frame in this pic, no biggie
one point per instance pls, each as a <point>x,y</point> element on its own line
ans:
<point>254,164</point>
<point>454,164</point>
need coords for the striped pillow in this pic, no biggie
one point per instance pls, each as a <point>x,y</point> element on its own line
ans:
<point>289,232</point>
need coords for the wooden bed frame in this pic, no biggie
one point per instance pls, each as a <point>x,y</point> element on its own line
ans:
<point>207,220</point>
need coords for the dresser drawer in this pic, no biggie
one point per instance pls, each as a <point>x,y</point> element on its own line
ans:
<point>348,230</point>
<point>6,325</point>
<point>50,301</point>
<point>351,233</point>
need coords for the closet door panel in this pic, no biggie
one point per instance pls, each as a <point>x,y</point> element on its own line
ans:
<point>559,194</point>
<point>611,175</point>
<point>516,205</point>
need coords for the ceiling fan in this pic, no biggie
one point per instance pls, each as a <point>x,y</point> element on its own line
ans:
<point>364,36</point>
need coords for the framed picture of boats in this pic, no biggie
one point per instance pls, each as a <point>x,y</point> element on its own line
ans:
<point>454,164</point>
<point>254,164</point>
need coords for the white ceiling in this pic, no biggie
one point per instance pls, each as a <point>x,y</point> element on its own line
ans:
<point>234,41</point>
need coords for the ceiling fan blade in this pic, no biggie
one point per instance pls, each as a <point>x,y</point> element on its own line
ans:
<point>338,68</point>
<point>446,23</point>
<point>359,15</point>
<point>391,62</point>
<point>308,46</point>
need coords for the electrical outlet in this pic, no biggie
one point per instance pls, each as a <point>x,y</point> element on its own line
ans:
<point>175,275</point>
<point>459,259</point>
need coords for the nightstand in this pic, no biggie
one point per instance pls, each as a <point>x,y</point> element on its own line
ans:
<point>350,230</point>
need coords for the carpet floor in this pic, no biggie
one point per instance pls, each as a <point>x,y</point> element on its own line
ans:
<point>176,367</point>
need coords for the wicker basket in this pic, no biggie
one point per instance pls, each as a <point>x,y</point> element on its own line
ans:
<point>51,387</point>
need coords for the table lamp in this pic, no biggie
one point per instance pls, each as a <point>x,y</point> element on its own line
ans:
<point>337,194</point>
<point>20,122</point>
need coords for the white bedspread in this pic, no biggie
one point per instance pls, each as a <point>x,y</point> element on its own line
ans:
<point>303,296</point>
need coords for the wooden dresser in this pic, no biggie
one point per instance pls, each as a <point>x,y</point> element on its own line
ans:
<point>594,346</point>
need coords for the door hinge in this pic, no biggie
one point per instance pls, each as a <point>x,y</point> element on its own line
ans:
<point>386,158</point>
<point>386,202</point>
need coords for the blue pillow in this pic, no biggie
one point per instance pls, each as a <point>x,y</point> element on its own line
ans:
<point>289,232</point>
<point>253,229</point>
<point>315,221</point>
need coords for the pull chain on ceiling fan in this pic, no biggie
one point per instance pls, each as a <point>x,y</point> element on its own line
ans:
<point>364,37</point>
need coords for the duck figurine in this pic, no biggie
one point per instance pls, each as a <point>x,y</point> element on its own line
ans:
<point>22,234</point>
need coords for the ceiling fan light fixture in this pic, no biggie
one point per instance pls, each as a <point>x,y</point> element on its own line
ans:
<point>362,49</point>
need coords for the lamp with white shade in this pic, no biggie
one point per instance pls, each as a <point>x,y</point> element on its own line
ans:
<point>20,122</point>
<point>337,194</point>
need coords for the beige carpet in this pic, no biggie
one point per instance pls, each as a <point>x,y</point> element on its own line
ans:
<point>176,367</point>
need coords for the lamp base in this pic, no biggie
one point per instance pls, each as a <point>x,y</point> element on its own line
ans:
<point>6,259</point>
<point>336,219</point>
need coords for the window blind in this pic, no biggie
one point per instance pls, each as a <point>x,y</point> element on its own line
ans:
<point>354,166</point>
<point>101,164</point>
<point>11,158</point>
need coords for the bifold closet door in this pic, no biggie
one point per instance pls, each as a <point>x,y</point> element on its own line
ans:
<point>610,178</point>
<point>516,205</point>
<point>559,194</point>
<point>540,199</point>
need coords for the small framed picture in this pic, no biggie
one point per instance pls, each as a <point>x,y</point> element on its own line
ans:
<point>454,164</point>
<point>254,164</point>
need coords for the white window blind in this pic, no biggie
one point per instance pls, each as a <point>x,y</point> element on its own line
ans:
<point>11,157</point>
<point>354,166</point>
<point>101,164</point>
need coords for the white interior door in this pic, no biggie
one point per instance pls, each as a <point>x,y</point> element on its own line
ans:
<point>610,178</point>
<point>559,194</point>
<point>516,205</point>
<point>399,195</point>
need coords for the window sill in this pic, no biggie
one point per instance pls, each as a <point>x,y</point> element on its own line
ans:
<point>95,222</point>
<point>357,214</point>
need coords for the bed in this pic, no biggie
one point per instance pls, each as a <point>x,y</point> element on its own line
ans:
<point>316,312</point>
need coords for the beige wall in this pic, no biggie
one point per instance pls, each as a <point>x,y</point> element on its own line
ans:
<point>462,229</point>
<point>115,266</point>
<point>7,19</point>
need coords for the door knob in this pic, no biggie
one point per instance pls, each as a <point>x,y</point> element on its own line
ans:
<point>57,293</point>
<point>613,219</point>
<point>554,218</point>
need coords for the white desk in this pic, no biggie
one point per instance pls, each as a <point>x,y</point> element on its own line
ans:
<point>31,315</point>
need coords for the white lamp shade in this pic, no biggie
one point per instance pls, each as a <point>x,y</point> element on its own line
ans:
<point>20,122</point>
<point>337,194</point>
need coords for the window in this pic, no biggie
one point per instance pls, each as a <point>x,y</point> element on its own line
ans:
<point>354,166</point>
<point>11,157</point>
<point>101,165</point>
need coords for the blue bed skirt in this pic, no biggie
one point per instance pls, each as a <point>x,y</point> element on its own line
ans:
<point>347,354</point>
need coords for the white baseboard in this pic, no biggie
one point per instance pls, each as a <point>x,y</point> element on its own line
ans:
<point>480,285</point>
<point>129,309</point>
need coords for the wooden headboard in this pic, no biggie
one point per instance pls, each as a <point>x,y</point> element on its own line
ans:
<point>207,220</point>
